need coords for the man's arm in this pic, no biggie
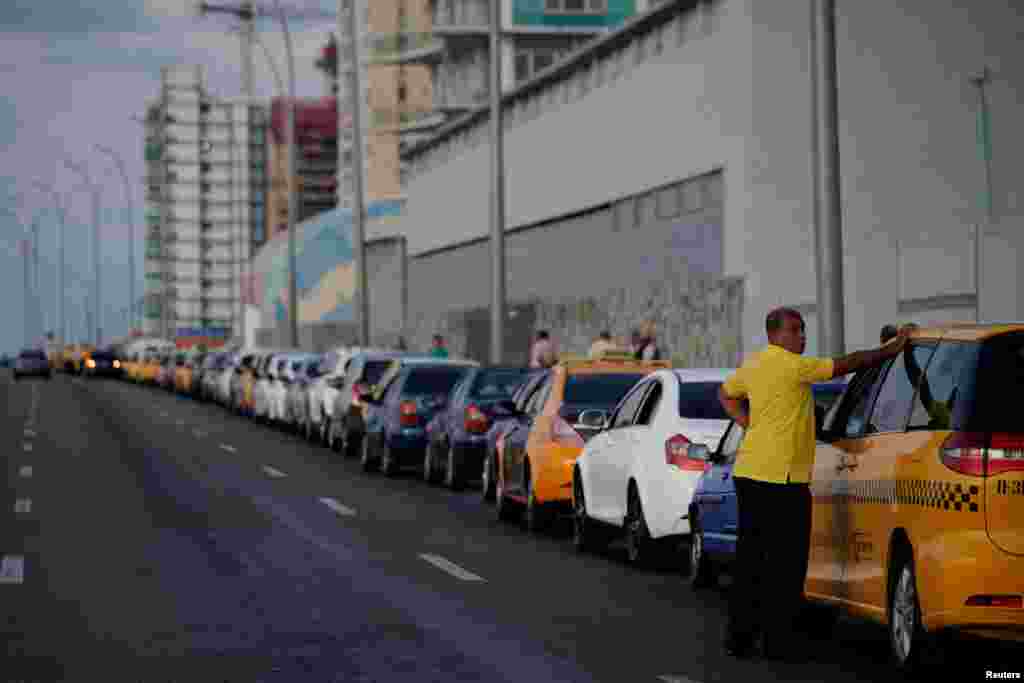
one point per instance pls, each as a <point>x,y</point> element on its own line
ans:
<point>734,408</point>
<point>858,360</point>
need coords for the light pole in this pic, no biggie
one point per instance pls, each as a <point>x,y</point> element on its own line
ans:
<point>81,171</point>
<point>497,194</point>
<point>61,290</point>
<point>23,250</point>
<point>119,162</point>
<point>979,81</point>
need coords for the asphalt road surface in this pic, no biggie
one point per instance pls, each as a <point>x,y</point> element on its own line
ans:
<point>148,537</point>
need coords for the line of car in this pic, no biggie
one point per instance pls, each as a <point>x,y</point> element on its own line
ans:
<point>918,484</point>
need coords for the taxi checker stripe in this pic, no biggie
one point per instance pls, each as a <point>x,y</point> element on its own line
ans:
<point>942,495</point>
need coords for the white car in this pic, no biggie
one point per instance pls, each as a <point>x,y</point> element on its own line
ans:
<point>265,387</point>
<point>634,476</point>
<point>222,381</point>
<point>325,389</point>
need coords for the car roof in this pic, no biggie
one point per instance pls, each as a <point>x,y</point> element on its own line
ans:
<point>702,374</point>
<point>965,331</point>
<point>432,361</point>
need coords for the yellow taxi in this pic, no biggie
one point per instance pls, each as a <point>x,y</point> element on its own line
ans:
<point>184,372</point>
<point>151,366</point>
<point>535,457</point>
<point>918,491</point>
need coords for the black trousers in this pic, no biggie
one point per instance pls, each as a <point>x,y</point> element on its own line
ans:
<point>771,558</point>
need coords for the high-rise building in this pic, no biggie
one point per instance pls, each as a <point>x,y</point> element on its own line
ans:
<point>206,186</point>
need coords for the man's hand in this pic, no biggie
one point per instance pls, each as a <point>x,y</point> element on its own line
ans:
<point>733,408</point>
<point>866,359</point>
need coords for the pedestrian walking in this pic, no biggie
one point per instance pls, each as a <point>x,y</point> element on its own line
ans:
<point>647,348</point>
<point>438,348</point>
<point>772,475</point>
<point>543,355</point>
<point>601,345</point>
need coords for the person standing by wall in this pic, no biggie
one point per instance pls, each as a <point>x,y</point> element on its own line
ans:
<point>543,354</point>
<point>772,476</point>
<point>647,349</point>
<point>602,344</point>
<point>438,348</point>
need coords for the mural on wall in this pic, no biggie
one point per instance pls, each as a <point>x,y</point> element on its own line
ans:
<point>325,266</point>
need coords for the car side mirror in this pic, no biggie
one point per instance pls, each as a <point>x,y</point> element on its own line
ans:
<point>593,419</point>
<point>699,451</point>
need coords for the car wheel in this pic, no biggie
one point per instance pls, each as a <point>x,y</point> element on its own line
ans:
<point>639,544</point>
<point>388,464</point>
<point>584,533</point>
<point>503,507</point>
<point>365,460</point>
<point>453,475</point>
<point>907,637</point>
<point>702,574</point>
<point>487,479</point>
<point>536,516</point>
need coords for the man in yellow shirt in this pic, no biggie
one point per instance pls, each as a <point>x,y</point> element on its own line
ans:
<point>772,476</point>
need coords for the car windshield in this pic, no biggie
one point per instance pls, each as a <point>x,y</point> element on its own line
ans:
<point>497,384</point>
<point>600,389</point>
<point>374,370</point>
<point>429,381</point>
<point>699,401</point>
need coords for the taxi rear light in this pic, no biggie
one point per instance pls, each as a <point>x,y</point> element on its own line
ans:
<point>476,421</point>
<point>677,454</point>
<point>407,414</point>
<point>1006,454</point>
<point>1008,601</point>
<point>964,453</point>
<point>563,434</point>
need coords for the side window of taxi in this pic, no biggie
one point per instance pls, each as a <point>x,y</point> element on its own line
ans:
<point>650,404</point>
<point>945,387</point>
<point>893,405</point>
<point>623,416</point>
<point>536,403</point>
<point>847,416</point>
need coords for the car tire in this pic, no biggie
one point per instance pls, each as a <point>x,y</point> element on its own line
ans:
<point>908,640</point>
<point>388,465</point>
<point>585,534</point>
<point>429,471</point>
<point>453,472</point>
<point>702,572</point>
<point>640,547</point>
<point>487,479</point>
<point>504,509</point>
<point>366,460</point>
<point>536,517</point>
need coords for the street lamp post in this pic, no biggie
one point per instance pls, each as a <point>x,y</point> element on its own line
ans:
<point>119,162</point>
<point>81,171</point>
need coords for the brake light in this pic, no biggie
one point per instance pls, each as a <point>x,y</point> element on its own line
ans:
<point>677,454</point>
<point>476,421</point>
<point>407,414</point>
<point>1013,601</point>
<point>964,452</point>
<point>1006,454</point>
<point>563,434</point>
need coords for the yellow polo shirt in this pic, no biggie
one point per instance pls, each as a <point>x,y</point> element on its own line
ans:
<point>779,444</point>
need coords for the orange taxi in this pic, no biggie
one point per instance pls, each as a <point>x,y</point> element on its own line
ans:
<point>535,457</point>
<point>918,491</point>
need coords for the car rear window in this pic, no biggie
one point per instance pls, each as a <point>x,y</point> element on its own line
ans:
<point>597,389</point>
<point>429,381</point>
<point>374,370</point>
<point>699,401</point>
<point>497,384</point>
<point>987,398</point>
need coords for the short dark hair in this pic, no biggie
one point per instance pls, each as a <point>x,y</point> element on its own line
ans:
<point>605,334</point>
<point>543,334</point>
<point>438,337</point>
<point>776,318</point>
<point>888,332</point>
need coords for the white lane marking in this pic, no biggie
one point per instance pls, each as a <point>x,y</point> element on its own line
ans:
<point>198,433</point>
<point>180,423</point>
<point>27,447</point>
<point>164,413</point>
<point>23,506</point>
<point>12,569</point>
<point>229,449</point>
<point>676,679</point>
<point>452,568</point>
<point>338,507</point>
<point>271,472</point>
<point>29,433</point>
<point>25,471</point>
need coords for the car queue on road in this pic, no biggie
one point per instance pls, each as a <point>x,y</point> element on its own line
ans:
<point>918,484</point>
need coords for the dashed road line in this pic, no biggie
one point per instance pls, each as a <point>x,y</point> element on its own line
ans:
<point>180,423</point>
<point>229,449</point>
<point>164,413</point>
<point>27,447</point>
<point>198,433</point>
<point>12,569</point>
<point>25,472</point>
<point>452,568</point>
<point>29,434</point>
<point>676,679</point>
<point>275,473</point>
<point>343,510</point>
<point>23,506</point>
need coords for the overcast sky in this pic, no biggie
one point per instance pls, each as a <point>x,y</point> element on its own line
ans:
<point>74,77</point>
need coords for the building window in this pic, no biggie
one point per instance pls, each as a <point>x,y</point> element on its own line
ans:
<point>401,93</point>
<point>530,61</point>
<point>576,6</point>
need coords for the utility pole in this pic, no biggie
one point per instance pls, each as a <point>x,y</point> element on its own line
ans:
<point>828,227</point>
<point>119,162</point>
<point>27,323</point>
<point>60,308</point>
<point>37,302</point>
<point>497,194</point>
<point>979,81</point>
<point>351,29</point>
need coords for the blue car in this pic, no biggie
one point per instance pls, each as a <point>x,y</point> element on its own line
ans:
<point>405,400</point>
<point>458,433</point>
<point>713,513</point>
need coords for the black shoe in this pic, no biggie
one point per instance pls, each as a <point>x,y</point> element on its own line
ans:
<point>739,647</point>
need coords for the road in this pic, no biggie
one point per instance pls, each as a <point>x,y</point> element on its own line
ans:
<point>149,537</point>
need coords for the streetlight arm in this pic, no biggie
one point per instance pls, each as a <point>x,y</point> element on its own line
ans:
<point>270,62</point>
